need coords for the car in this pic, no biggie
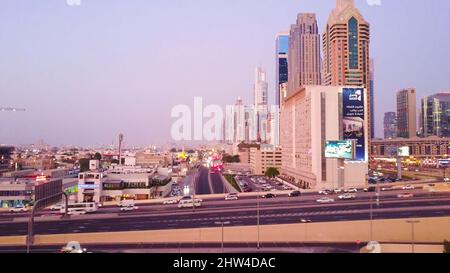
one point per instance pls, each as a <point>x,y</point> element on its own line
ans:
<point>447,179</point>
<point>231,196</point>
<point>305,221</point>
<point>269,195</point>
<point>189,203</point>
<point>19,208</point>
<point>325,192</point>
<point>325,200</point>
<point>405,195</point>
<point>284,187</point>
<point>56,207</point>
<point>351,190</point>
<point>347,196</point>
<point>170,201</point>
<point>337,190</point>
<point>408,187</point>
<point>387,189</point>
<point>294,194</point>
<point>128,208</point>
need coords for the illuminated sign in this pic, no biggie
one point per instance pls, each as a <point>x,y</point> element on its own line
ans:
<point>353,120</point>
<point>403,151</point>
<point>342,149</point>
<point>41,178</point>
<point>87,187</point>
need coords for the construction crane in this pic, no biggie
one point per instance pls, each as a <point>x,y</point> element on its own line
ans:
<point>11,109</point>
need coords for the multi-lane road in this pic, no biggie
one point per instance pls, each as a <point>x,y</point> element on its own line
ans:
<point>208,183</point>
<point>242,212</point>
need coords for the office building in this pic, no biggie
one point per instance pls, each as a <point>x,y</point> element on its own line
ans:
<point>435,115</point>
<point>263,157</point>
<point>304,53</point>
<point>390,125</point>
<point>346,49</point>
<point>420,148</point>
<point>314,115</point>
<point>281,73</point>
<point>372,97</point>
<point>406,113</point>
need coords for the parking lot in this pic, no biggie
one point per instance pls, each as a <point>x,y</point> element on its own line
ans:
<point>260,184</point>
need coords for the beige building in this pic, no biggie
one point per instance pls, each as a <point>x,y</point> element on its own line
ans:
<point>304,52</point>
<point>406,113</point>
<point>149,159</point>
<point>429,147</point>
<point>263,157</point>
<point>310,117</point>
<point>346,48</point>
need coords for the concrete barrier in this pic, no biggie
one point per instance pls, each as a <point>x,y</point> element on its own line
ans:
<point>429,230</point>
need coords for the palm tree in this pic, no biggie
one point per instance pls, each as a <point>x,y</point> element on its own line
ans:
<point>272,172</point>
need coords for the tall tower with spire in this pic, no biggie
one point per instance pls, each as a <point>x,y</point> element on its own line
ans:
<point>346,55</point>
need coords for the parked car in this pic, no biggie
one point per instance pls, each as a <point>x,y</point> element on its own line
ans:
<point>295,194</point>
<point>269,195</point>
<point>19,208</point>
<point>325,200</point>
<point>232,196</point>
<point>405,195</point>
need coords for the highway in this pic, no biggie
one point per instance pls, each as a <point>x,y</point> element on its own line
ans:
<point>208,183</point>
<point>242,212</point>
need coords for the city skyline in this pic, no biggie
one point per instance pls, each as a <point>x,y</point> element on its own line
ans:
<point>104,76</point>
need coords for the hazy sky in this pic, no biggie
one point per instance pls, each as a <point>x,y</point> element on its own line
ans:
<point>86,73</point>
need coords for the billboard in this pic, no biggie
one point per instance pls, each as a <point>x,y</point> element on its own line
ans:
<point>353,120</point>
<point>403,151</point>
<point>343,149</point>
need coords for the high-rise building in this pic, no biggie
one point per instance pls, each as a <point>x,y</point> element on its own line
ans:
<point>390,125</point>
<point>260,88</point>
<point>406,113</point>
<point>372,97</point>
<point>304,53</point>
<point>346,49</point>
<point>281,73</point>
<point>315,115</point>
<point>435,115</point>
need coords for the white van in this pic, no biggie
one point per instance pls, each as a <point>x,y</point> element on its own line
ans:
<point>189,203</point>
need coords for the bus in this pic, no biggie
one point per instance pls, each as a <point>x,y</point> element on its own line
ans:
<point>79,208</point>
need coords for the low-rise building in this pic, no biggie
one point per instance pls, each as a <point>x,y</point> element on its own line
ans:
<point>264,157</point>
<point>430,147</point>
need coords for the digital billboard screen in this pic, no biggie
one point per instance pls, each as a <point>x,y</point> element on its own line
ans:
<point>343,149</point>
<point>403,151</point>
<point>353,120</point>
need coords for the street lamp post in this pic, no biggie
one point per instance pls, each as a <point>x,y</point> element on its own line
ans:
<point>412,222</point>
<point>222,223</point>
<point>257,219</point>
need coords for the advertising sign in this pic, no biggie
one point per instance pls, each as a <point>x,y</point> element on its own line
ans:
<point>88,187</point>
<point>353,119</point>
<point>403,151</point>
<point>342,149</point>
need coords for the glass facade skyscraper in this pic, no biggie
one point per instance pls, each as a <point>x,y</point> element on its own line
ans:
<point>282,48</point>
<point>435,115</point>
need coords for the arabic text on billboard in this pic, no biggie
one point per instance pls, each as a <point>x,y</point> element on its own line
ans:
<point>339,149</point>
<point>353,119</point>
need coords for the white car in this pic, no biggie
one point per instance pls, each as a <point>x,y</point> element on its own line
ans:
<point>408,187</point>
<point>325,200</point>
<point>347,196</point>
<point>231,196</point>
<point>128,208</point>
<point>352,190</point>
<point>56,207</point>
<point>337,190</point>
<point>19,208</point>
<point>170,201</point>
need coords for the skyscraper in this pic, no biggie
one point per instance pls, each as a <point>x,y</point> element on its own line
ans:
<point>260,87</point>
<point>281,73</point>
<point>435,115</point>
<point>390,125</point>
<point>346,49</point>
<point>372,97</point>
<point>304,53</point>
<point>406,113</point>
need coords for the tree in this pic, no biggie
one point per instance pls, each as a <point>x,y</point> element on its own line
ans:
<point>84,164</point>
<point>272,172</point>
<point>98,156</point>
<point>173,150</point>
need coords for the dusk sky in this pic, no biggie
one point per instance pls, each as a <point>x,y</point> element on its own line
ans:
<point>87,73</point>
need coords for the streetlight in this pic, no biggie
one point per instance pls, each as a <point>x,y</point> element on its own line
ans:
<point>412,222</point>
<point>222,223</point>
